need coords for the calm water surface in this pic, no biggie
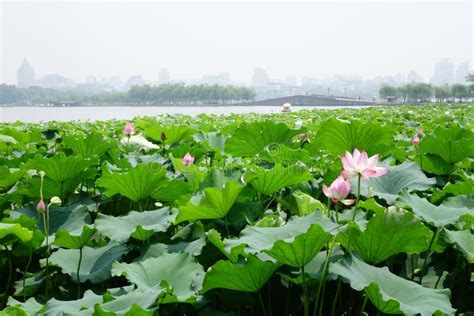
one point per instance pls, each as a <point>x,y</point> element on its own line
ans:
<point>38,114</point>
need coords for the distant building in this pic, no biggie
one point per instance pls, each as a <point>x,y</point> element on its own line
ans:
<point>133,81</point>
<point>221,79</point>
<point>413,76</point>
<point>91,79</point>
<point>164,76</point>
<point>461,72</point>
<point>55,81</point>
<point>25,75</point>
<point>259,78</point>
<point>444,72</point>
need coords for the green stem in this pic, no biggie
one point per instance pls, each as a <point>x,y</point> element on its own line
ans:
<point>288,299</point>
<point>9,280</point>
<point>428,254</point>
<point>262,305</point>
<point>421,157</point>
<point>323,275</point>
<point>46,231</point>
<point>305,293</point>
<point>26,268</point>
<point>226,223</point>
<point>358,197</point>
<point>78,275</point>
<point>363,304</point>
<point>336,209</point>
<point>336,297</point>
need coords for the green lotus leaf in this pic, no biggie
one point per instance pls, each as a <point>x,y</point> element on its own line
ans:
<point>249,139</point>
<point>178,273</point>
<point>8,177</point>
<point>452,144</point>
<point>60,168</point>
<point>14,311</point>
<point>273,180</point>
<point>120,228</point>
<point>31,305</point>
<point>93,145</point>
<point>390,293</point>
<point>10,233</point>
<point>336,136</point>
<point>73,240</point>
<point>407,176</point>
<point>136,302</point>
<point>193,248</point>
<point>136,184</point>
<point>464,239</point>
<point>96,262</point>
<point>307,204</point>
<point>294,243</point>
<point>453,189</point>
<point>247,276</point>
<point>388,233</point>
<point>83,306</point>
<point>171,190</point>
<point>437,215</point>
<point>174,133</point>
<point>213,203</point>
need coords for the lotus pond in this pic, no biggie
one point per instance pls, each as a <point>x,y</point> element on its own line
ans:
<point>324,212</point>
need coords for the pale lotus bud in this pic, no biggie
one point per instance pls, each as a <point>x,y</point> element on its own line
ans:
<point>55,200</point>
<point>42,174</point>
<point>41,207</point>
<point>128,129</point>
<point>420,132</point>
<point>187,159</point>
<point>415,140</point>
<point>32,172</point>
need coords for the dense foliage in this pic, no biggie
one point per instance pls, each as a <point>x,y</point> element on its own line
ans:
<point>240,214</point>
<point>422,92</point>
<point>140,94</point>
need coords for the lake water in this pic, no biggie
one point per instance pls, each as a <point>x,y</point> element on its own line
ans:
<point>38,114</point>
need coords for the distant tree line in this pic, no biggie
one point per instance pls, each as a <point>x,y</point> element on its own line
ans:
<point>140,94</point>
<point>422,92</point>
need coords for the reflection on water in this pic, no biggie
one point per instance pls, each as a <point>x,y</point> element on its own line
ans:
<point>37,114</point>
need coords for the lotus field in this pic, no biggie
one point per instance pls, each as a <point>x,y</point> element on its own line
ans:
<point>324,212</point>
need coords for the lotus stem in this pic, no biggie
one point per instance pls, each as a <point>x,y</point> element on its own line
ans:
<point>46,231</point>
<point>358,197</point>
<point>305,293</point>
<point>9,280</point>
<point>30,255</point>
<point>78,275</point>
<point>323,276</point>
<point>262,305</point>
<point>336,296</point>
<point>362,308</point>
<point>428,254</point>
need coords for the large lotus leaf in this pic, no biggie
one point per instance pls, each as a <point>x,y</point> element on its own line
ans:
<point>73,240</point>
<point>336,136</point>
<point>271,181</point>
<point>171,190</point>
<point>136,184</point>
<point>31,306</point>
<point>174,133</point>
<point>90,146</point>
<point>213,203</point>
<point>127,304</point>
<point>8,177</point>
<point>10,233</point>
<point>14,310</point>
<point>249,139</point>
<point>453,189</point>
<point>406,176</point>
<point>96,262</point>
<point>460,201</point>
<point>247,276</point>
<point>452,144</point>
<point>390,293</point>
<point>282,243</point>
<point>307,204</point>
<point>464,240</point>
<point>69,218</point>
<point>284,155</point>
<point>388,233</point>
<point>60,168</point>
<point>179,273</point>
<point>437,215</point>
<point>120,228</point>
<point>83,306</point>
<point>155,250</point>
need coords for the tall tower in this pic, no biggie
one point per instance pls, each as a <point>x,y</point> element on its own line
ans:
<point>25,75</point>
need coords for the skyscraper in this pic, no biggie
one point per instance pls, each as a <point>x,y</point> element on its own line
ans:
<point>25,75</point>
<point>164,76</point>
<point>461,72</point>
<point>444,72</point>
<point>259,78</point>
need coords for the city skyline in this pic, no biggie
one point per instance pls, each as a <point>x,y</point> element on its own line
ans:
<point>297,40</point>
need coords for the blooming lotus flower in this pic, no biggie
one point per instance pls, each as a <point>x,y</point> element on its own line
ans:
<point>129,129</point>
<point>187,159</point>
<point>359,164</point>
<point>415,140</point>
<point>338,191</point>
<point>40,207</point>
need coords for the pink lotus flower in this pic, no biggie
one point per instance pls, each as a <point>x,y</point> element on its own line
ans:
<point>129,129</point>
<point>415,140</point>
<point>187,159</point>
<point>338,191</point>
<point>359,164</point>
<point>40,207</point>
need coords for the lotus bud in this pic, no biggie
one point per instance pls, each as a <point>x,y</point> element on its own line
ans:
<point>32,172</point>
<point>420,132</point>
<point>128,129</point>
<point>298,124</point>
<point>303,137</point>
<point>415,140</point>
<point>55,200</point>
<point>41,207</point>
<point>187,159</point>
<point>163,136</point>
<point>42,174</point>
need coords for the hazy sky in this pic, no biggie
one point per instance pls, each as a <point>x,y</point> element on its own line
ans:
<point>318,39</point>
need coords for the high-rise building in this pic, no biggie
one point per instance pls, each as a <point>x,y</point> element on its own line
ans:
<point>413,76</point>
<point>260,77</point>
<point>25,75</point>
<point>444,72</point>
<point>461,72</point>
<point>164,76</point>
